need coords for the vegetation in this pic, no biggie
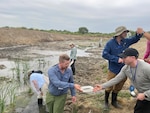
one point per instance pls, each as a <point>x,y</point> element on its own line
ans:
<point>7,95</point>
<point>83,30</point>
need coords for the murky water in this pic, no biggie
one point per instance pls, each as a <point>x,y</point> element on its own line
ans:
<point>19,68</point>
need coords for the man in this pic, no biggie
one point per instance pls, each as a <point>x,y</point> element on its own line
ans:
<point>112,48</point>
<point>138,72</point>
<point>61,79</point>
<point>39,83</point>
<point>73,57</point>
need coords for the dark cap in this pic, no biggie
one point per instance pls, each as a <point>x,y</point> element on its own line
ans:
<point>129,52</point>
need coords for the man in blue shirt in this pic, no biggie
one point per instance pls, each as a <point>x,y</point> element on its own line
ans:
<point>61,79</point>
<point>112,49</point>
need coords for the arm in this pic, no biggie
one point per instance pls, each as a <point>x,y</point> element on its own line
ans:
<point>147,35</point>
<point>35,83</point>
<point>147,74</point>
<point>147,53</point>
<point>57,82</point>
<point>133,39</point>
<point>114,81</point>
<point>72,90</point>
<point>111,82</point>
<point>107,53</point>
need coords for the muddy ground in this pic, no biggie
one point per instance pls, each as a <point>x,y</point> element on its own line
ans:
<point>90,70</point>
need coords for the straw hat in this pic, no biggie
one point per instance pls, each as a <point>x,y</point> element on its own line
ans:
<point>120,30</point>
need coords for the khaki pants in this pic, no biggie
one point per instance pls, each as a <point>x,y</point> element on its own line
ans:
<point>55,104</point>
<point>116,88</point>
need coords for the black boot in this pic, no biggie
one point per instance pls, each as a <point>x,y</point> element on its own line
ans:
<point>114,101</point>
<point>106,106</point>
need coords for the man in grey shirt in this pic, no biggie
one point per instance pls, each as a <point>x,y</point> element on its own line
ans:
<point>138,72</point>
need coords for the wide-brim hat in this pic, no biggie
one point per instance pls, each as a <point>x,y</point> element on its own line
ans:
<point>120,30</point>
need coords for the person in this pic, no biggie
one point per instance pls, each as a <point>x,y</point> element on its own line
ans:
<point>138,72</point>
<point>61,79</point>
<point>111,50</point>
<point>147,52</point>
<point>39,83</point>
<point>73,57</point>
<point>146,34</point>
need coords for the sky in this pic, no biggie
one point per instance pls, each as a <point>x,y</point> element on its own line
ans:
<point>96,15</point>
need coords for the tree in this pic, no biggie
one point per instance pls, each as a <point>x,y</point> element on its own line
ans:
<point>83,30</point>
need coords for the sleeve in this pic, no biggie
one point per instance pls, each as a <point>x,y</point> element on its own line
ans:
<point>133,39</point>
<point>115,80</point>
<point>58,83</point>
<point>147,53</point>
<point>147,73</point>
<point>107,54</point>
<point>72,89</point>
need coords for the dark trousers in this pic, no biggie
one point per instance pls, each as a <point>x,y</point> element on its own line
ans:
<point>142,106</point>
<point>73,67</point>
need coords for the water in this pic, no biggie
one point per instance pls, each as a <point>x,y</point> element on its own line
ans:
<point>49,58</point>
<point>44,62</point>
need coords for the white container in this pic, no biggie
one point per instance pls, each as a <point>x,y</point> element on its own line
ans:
<point>87,89</point>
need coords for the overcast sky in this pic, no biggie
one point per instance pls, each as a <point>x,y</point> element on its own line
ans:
<point>97,15</point>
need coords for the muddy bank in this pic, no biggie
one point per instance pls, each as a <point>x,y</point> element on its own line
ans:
<point>90,70</point>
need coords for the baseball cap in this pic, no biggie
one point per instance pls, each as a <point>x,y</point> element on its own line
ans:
<point>129,52</point>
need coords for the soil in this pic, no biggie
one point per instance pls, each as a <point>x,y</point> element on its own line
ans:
<point>90,70</point>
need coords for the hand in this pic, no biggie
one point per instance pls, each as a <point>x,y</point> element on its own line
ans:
<point>139,30</point>
<point>147,60</point>
<point>140,96</point>
<point>74,99</point>
<point>78,87</point>
<point>97,88</point>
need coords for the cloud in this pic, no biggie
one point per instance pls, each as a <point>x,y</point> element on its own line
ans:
<point>96,15</point>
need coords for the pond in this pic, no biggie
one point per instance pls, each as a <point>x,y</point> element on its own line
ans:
<point>16,73</point>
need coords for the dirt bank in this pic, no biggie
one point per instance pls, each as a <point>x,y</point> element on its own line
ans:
<point>89,70</point>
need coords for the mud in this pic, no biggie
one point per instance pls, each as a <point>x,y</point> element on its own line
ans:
<point>90,70</point>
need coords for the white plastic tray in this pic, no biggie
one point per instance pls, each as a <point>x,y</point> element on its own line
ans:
<point>87,89</point>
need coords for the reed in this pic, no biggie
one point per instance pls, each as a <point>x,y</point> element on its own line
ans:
<point>7,95</point>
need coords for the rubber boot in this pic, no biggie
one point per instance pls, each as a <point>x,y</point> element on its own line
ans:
<point>106,106</point>
<point>114,101</point>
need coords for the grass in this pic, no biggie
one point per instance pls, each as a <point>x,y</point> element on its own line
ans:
<point>7,95</point>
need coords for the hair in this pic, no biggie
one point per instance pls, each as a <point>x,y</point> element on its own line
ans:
<point>30,72</point>
<point>63,57</point>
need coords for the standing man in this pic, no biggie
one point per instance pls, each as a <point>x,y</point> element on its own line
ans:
<point>61,79</point>
<point>73,57</point>
<point>138,72</point>
<point>112,48</point>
